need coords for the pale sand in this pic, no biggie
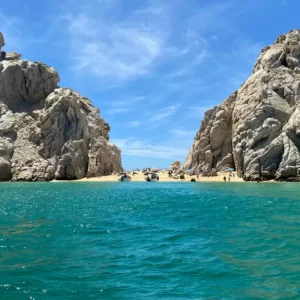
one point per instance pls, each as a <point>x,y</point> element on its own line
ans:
<point>163,177</point>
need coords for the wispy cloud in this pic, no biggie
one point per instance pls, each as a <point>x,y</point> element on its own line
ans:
<point>117,111</point>
<point>136,147</point>
<point>116,48</point>
<point>153,119</point>
<point>163,114</point>
<point>151,10</point>
<point>117,107</point>
<point>134,124</point>
<point>179,73</point>
<point>127,102</point>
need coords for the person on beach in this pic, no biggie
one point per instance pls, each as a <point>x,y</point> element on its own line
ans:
<point>229,178</point>
<point>197,176</point>
<point>224,178</point>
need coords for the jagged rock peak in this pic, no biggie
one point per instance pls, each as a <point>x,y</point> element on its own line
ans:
<point>284,52</point>
<point>257,129</point>
<point>48,132</point>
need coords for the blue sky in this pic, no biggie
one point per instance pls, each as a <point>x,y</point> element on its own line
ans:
<point>153,67</point>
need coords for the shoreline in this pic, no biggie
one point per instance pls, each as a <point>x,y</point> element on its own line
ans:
<point>163,177</point>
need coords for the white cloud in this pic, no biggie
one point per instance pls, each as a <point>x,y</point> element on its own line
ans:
<point>163,114</point>
<point>116,111</point>
<point>122,106</point>
<point>134,124</point>
<point>156,118</point>
<point>131,53</point>
<point>191,45</point>
<point>115,46</point>
<point>112,47</point>
<point>200,57</point>
<point>179,73</point>
<point>127,102</point>
<point>154,10</point>
<point>135,147</point>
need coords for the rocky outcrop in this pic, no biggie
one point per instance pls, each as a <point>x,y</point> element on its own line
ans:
<point>2,43</point>
<point>212,148</point>
<point>23,84</point>
<point>175,165</point>
<point>47,132</point>
<point>257,129</point>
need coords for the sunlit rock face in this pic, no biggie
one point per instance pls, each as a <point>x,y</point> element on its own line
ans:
<point>48,132</point>
<point>257,129</point>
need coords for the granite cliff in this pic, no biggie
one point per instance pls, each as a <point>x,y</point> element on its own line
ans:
<point>257,129</point>
<point>48,132</point>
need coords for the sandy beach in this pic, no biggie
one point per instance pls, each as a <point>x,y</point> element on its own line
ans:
<point>163,177</point>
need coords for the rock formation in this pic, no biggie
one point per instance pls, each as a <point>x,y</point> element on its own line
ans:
<point>175,166</point>
<point>2,43</point>
<point>257,129</point>
<point>48,132</point>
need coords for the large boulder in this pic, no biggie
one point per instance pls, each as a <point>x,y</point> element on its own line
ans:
<point>74,160</point>
<point>104,158</point>
<point>257,130</point>
<point>24,84</point>
<point>175,165</point>
<point>12,56</point>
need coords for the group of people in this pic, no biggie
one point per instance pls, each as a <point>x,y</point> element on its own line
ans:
<point>225,178</point>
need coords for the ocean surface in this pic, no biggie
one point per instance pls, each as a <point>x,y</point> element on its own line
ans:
<point>149,241</point>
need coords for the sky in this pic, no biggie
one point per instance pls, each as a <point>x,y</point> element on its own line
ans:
<point>153,67</point>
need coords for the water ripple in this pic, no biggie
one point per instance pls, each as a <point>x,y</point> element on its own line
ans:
<point>141,241</point>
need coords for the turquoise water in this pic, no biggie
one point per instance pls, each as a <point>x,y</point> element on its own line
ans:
<point>149,241</point>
